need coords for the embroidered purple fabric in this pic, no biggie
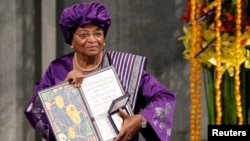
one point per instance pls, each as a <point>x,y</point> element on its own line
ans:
<point>81,14</point>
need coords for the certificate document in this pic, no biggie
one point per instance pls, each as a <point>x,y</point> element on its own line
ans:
<point>82,113</point>
<point>99,90</point>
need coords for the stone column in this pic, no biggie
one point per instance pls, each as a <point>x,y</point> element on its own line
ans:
<point>48,32</point>
<point>17,67</point>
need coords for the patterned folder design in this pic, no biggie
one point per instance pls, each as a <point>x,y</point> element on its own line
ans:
<point>81,114</point>
<point>66,112</point>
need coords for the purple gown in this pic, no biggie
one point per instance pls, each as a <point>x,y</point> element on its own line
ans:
<point>154,101</point>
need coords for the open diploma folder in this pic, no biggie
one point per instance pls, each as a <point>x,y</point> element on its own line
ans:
<point>89,112</point>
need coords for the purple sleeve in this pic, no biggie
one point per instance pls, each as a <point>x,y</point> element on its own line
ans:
<point>160,106</point>
<point>34,111</point>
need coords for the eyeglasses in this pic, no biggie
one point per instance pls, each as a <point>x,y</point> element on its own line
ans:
<point>96,34</point>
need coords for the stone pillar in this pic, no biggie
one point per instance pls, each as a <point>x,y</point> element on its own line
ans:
<point>17,67</point>
<point>48,32</point>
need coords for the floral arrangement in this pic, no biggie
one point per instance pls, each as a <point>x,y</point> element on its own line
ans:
<point>217,44</point>
<point>228,29</point>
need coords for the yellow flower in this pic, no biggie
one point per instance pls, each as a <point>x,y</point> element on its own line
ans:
<point>228,61</point>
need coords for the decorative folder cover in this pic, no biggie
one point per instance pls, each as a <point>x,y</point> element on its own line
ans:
<point>82,114</point>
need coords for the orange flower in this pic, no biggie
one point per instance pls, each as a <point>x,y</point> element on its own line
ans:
<point>243,42</point>
<point>229,16</point>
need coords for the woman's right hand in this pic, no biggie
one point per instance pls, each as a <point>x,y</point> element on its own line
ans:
<point>75,78</point>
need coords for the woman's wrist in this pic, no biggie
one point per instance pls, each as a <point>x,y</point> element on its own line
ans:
<point>143,122</point>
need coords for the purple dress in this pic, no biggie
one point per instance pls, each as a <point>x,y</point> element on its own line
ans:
<point>150,98</point>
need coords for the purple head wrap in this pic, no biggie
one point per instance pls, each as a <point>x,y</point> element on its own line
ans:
<point>81,14</point>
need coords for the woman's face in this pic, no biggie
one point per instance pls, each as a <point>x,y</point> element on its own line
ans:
<point>88,40</point>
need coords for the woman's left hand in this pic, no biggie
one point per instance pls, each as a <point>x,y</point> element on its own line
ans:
<point>131,125</point>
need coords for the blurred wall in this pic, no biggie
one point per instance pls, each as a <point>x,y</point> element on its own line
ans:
<point>30,38</point>
<point>17,68</point>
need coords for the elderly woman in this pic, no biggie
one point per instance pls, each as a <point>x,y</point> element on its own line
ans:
<point>84,27</point>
